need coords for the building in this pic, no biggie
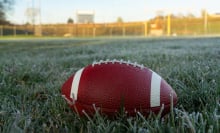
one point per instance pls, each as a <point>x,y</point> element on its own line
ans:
<point>156,28</point>
<point>85,17</point>
<point>215,15</point>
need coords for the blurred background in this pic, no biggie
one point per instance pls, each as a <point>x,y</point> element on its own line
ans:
<point>43,42</point>
<point>86,18</point>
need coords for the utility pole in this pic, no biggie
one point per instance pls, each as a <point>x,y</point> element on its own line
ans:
<point>40,12</point>
<point>39,28</point>
<point>33,16</point>
<point>33,13</point>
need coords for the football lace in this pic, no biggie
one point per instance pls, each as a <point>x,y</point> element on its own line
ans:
<point>135,64</point>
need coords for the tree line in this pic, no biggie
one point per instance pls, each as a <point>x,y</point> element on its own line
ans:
<point>5,6</point>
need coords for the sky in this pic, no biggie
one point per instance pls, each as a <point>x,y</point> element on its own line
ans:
<point>58,11</point>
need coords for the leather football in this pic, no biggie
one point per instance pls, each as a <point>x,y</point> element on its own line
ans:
<point>113,85</point>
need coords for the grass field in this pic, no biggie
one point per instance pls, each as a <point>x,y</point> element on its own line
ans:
<point>32,72</point>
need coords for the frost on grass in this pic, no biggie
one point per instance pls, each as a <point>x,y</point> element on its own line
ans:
<point>190,65</point>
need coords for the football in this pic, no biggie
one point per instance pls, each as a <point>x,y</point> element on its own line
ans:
<point>112,85</point>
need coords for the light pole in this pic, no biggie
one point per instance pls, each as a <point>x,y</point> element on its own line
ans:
<point>33,15</point>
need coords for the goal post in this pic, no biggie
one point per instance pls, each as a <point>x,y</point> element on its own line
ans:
<point>168,24</point>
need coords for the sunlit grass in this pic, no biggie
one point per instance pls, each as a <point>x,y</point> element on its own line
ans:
<point>33,71</point>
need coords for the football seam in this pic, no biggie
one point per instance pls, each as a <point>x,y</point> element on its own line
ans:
<point>135,64</point>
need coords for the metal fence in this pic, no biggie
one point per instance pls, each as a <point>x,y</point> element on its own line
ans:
<point>175,26</point>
